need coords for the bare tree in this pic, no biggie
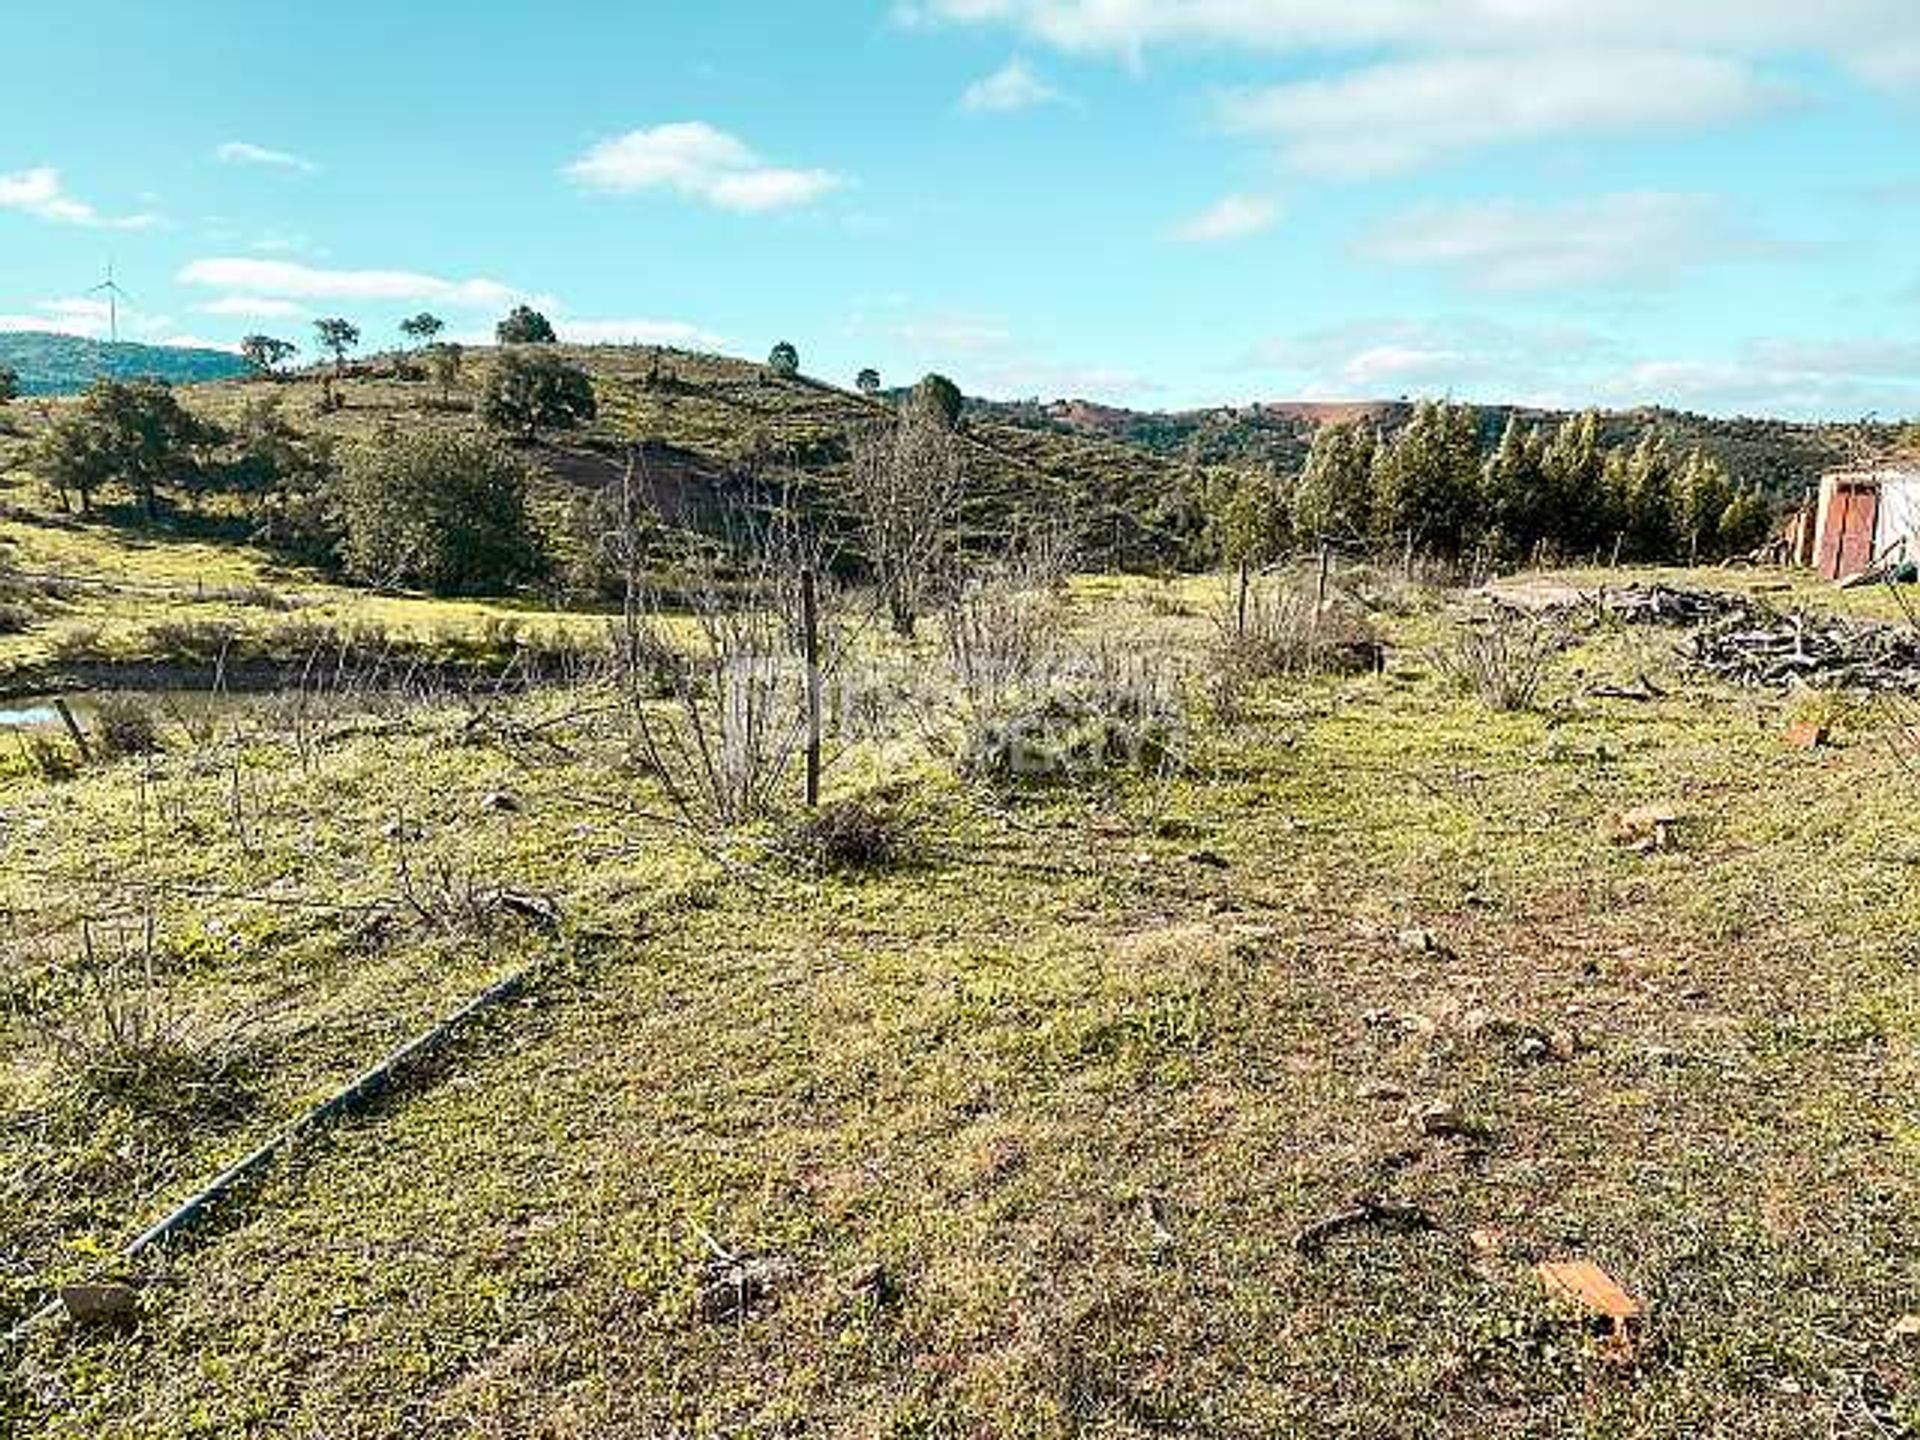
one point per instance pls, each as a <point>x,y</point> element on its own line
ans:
<point>907,487</point>
<point>715,662</point>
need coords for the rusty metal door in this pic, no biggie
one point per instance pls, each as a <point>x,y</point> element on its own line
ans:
<point>1846,546</point>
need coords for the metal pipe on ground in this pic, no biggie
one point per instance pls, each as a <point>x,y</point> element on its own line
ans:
<point>357,1092</point>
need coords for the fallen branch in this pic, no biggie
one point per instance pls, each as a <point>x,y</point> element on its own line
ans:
<point>1389,1214</point>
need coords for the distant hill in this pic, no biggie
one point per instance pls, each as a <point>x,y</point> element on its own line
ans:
<point>50,364</point>
<point>716,432</point>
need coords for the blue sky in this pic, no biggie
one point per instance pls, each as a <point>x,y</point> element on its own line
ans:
<point>1706,203</point>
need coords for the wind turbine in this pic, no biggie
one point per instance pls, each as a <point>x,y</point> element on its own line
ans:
<point>111,289</point>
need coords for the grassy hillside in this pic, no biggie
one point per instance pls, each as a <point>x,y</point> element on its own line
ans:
<point>714,431</point>
<point>50,364</point>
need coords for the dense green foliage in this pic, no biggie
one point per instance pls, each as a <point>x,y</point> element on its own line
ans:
<point>422,328</point>
<point>444,363</point>
<point>136,435</point>
<point>266,353</point>
<point>336,337</point>
<point>525,325</point>
<point>291,476</point>
<point>1783,459</point>
<point>1434,487</point>
<point>50,364</point>
<point>784,360</point>
<point>941,397</point>
<point>443,511</point>
<point>531,390</point>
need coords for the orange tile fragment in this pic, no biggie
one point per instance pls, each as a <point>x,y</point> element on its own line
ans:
<point>1806,735</point>
<point>1585,1283</point>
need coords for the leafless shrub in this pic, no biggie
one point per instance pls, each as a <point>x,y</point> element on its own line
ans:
<point>47,758</point>
<point>255,595</point>
<point>1002,636</point>
<point>121,1038</point>
<point>1503,660</point>
<point>860,833</point>
<point>198,718</point>
<point>124,725</point>
<point>85,640</point>
<point>1395,586</point>
<point>190,639</point>
<point>1281,630</point>
<point>733,661</point>
<point>907,485</point>
<point>1100,714</point>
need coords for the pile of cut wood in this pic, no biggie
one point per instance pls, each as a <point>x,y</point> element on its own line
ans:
<point>1767,648</point>
<point>1746,641</point>
<point>1667,605</point>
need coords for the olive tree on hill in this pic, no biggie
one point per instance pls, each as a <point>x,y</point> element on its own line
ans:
<point>266,353</point>
<point>422,328</point>
<point>531,390</point>
<point>443,511</point>
<point>134,434</point>
<point>525,325</point>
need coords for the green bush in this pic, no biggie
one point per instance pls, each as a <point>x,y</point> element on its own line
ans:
<point>444,512</point>
<point>531,390</point>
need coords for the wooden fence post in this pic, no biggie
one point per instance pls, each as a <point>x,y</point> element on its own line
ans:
<point>1320,584</point>
<point>1240,605</point>
<point>73,728</point>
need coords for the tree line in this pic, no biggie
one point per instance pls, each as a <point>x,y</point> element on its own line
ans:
<point>1436,487</point>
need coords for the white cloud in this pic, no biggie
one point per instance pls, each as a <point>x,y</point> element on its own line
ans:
<point>1747,385</point>
<point>284,279</point>
<point>696,159</point>
<point>38,192</point>
<point>958,334</point>
<point>1382,359</point>
<point>1561,366</point>
<point>635,332</point>
<point>83,317</point>
<point>240,152</point>
<point>984,357</point>
<point>1863,33</point>
<point>88,317</point>
<point>1397,115</point>
<point>1233,217</point>
<point>1014,86</point>
<point>1398,83</point>
<point>254,307</point>
<point>1857,356</point>
<point>1646,238</point>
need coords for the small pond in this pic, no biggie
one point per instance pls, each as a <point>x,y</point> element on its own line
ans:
<point>27,714</point>
<point>37,712</point>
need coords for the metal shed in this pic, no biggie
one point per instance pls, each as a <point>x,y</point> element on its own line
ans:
<point>1866,517</point>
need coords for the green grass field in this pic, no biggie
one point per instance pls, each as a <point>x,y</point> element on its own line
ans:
<point>1015,1135</point>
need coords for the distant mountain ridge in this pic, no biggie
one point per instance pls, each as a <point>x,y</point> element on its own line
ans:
<point>51,364</point>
